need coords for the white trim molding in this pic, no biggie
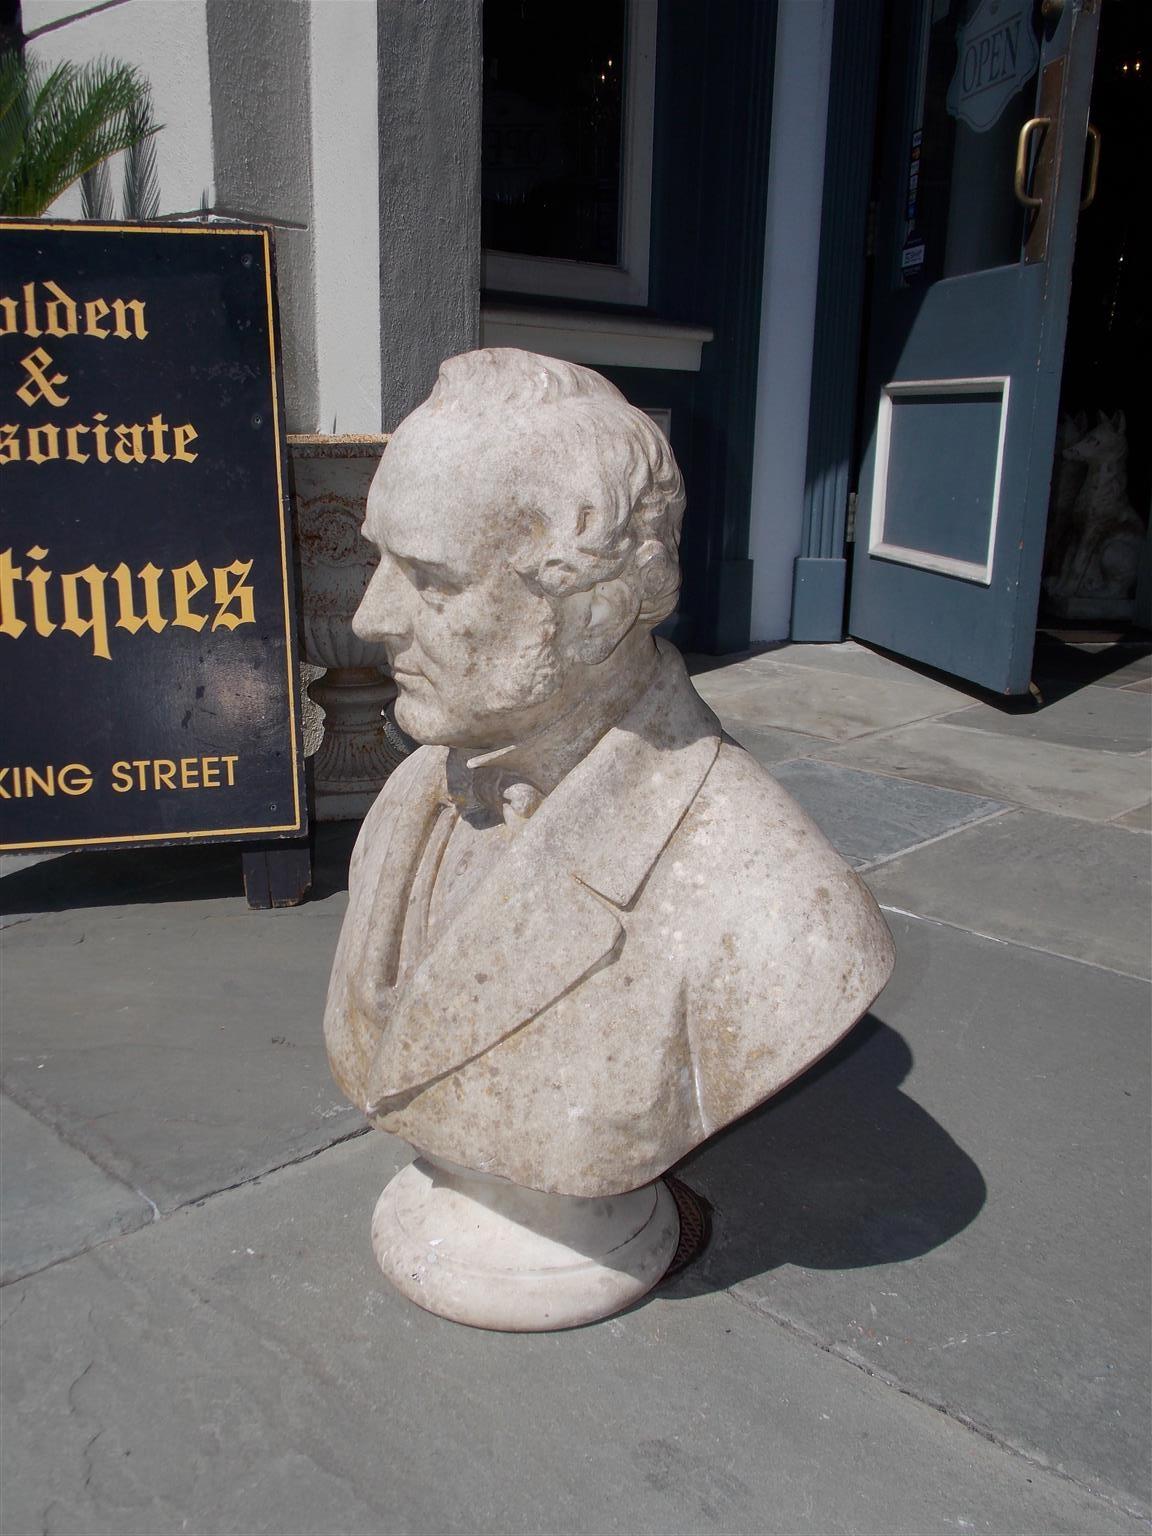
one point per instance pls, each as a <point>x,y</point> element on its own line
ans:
<point>597,339</point>
<point>923,559</point>
<point>627,282</point>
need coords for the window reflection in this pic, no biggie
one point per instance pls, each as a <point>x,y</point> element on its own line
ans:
<point>553,128</point>
<point>978,88</point>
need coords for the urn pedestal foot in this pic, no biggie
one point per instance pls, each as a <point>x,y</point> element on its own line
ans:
<point>491,1254</point>
<point>356,754</point>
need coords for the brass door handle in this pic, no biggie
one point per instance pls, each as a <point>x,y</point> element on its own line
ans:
<point>1020,182</point>
<point>1093,168</point>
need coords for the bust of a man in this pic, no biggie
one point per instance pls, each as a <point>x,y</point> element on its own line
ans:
<point>585,929</point>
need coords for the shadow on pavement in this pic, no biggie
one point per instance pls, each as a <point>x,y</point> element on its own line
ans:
<point>1062,667</point>
<point>127,876</point>
<point>840,1171</point>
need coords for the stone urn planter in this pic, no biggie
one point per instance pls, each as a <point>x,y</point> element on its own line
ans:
<point>357,749</point>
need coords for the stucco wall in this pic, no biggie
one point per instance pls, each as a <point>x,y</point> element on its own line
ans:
<point>260,77</point>
<point>430,99</point>
<point>353,127</point>
<point>168,41</point>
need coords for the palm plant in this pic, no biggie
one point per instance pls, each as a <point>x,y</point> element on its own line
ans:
<point>57,124</point>
<point>141,186</point>
<point>96,197</point>
<point>141,193</point>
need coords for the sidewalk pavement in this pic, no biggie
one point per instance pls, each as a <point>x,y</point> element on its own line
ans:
<point>925,1305</point>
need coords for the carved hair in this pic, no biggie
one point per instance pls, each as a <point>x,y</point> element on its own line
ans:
<point>619,511</point>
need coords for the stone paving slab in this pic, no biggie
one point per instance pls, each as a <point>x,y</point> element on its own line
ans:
<point>178,1044</point>
<point>769,746</point>
<point>1069,781</point>
<point>847,656</point>
<point>766,692</point>
<point>54,1201</point>
<point>857,660</point>
<point>958,1198</point>
<point>868,817</point>
<point>1060,885</point>
<point>1139,819</point>
<point>243,1368</point>
<point>1101,719</point>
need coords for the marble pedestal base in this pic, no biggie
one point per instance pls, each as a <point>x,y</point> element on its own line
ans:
<point>491,1254</point>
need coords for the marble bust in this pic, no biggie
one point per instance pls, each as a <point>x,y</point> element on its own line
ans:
<point>585,929</point>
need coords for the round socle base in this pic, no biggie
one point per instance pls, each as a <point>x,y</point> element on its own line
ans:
<point>491,1254</point>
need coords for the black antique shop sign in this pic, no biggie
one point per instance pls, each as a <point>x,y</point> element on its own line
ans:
<point>147,658</point>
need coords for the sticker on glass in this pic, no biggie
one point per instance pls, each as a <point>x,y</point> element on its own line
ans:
<point>996,53</point>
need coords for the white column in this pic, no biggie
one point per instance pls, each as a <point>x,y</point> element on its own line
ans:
<point>795,194</point>
<point>346,214</point>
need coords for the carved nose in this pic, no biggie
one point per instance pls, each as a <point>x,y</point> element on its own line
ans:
<point>382,614</point>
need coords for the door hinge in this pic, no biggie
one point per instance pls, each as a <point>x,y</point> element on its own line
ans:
<point>850,520</point>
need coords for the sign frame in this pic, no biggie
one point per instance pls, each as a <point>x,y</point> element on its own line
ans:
<point>280,827</point>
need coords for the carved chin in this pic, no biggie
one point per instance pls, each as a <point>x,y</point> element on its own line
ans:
<point>421,719</point>
<point>497,695</point>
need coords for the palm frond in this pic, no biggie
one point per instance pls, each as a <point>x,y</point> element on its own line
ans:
<point>141,184</point>
<point>64,122</point>
<point>96,200</point>
<point>14,95</point>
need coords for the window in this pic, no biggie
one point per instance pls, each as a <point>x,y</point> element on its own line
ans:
<point>567,159</point>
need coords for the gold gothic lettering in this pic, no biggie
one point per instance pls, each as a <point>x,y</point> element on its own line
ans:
<point>52,312</point>
<point>155,441</point>
<point>90,603</point>
<point>38,386</point>
<point>46,309</point>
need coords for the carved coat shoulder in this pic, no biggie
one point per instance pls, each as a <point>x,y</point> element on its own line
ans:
<point>787,949</point>
<point>746,952</point>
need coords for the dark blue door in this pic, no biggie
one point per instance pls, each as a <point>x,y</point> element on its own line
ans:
<point>983,172</point>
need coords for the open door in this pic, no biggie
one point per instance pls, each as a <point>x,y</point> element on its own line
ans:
<point>983,171</point>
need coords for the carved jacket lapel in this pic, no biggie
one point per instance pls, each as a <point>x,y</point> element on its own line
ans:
<point>374,954</point>
<point>548,914</point>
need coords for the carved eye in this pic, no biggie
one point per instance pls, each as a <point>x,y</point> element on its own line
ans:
<point>430,581</point>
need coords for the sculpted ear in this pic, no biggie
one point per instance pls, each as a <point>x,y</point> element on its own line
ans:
<point>611,610</point>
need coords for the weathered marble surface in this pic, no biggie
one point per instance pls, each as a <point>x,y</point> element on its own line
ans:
<point>667,941</point>
<point>584,932</point>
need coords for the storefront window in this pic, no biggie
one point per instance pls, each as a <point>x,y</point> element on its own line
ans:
<point>977,88</point>
<point>553,121</point>
<point>567,156</point>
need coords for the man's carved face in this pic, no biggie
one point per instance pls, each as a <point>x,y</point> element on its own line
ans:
<point>473,648</point>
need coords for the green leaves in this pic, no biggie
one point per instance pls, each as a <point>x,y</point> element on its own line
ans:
<point>57,124</point>
<point>96,199</point>
<point>141,185</point>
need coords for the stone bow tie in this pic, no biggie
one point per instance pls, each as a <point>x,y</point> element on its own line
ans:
<point>491,791</point>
